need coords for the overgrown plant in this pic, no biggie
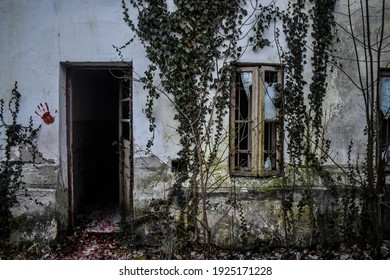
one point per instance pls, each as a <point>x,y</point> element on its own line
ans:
<point>307,147</point>
<point>192,48</point>
<point>369,44</point>
<point>368,56</point>
<point>15,138</point>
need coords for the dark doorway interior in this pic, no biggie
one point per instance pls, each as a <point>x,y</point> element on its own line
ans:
<point>95,100</point>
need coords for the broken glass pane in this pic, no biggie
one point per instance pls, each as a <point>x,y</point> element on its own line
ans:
<point>385,96</point>
<point>246,79</point>
<point>270,145</point>
<point>270,111</point>
<point>243,96</point>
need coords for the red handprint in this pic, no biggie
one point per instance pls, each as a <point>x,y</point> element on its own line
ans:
<point>45,114</point>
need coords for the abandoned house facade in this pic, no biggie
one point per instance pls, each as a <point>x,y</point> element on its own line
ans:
<point>87,103</point>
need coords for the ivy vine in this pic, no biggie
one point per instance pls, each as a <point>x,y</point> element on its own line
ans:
<point>193,47</point>
<point>16,137</point>
<point>324,37</point>
<point>307,146</point>
<point>295,27</point>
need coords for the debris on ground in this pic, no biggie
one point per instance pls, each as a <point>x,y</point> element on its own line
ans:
<point>83,245</point>
<point>101,238</point>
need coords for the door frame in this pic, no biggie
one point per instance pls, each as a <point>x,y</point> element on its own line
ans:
<point>66,70</point>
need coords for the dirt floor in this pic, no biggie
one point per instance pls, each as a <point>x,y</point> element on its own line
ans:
<point>84,245</point>
<point>100,237</point>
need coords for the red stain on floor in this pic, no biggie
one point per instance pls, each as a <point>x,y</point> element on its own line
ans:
<point>104,220</point>
<point>97,239</point>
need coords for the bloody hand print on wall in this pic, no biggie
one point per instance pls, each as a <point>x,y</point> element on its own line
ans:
<point>44,113</point>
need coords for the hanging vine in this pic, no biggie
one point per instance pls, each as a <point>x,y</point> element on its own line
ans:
<point>324,36</point>
<point>16,137</point>
<point>295,26</point>
<point>307,147</point>
<point>193,47</point>
<point>184,47</point>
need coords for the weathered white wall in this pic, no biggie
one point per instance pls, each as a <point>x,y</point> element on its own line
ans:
<point>37,36</point>
<point>345,117</point>
<point>37,39</point>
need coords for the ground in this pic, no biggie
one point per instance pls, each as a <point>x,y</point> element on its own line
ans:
<point>83,245</point>
<point>100,237</point>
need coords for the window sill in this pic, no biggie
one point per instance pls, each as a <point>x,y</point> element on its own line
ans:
<point>265,174</point>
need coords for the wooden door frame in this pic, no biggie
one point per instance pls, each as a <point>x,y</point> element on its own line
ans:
<point>69,66</point>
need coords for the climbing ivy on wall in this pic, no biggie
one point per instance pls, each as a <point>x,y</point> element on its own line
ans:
<point>15,138</point>
<point>304,122</point>
<point>295,26</point>
<point>184,47</point>
<point>303,102</point>
<point>324,36</point>
<point>193,47</point>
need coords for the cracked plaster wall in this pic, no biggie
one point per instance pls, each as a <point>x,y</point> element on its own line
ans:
<point>36,36</point>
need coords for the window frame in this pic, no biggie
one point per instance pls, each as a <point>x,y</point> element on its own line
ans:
<point>256,133</point>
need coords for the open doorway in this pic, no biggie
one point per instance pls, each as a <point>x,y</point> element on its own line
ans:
<point>95,132</point>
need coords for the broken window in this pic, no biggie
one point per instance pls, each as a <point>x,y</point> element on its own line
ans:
<point>254,121</point>
<point>385,117</point>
